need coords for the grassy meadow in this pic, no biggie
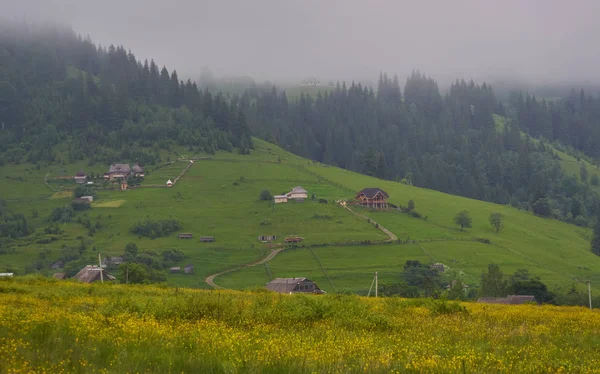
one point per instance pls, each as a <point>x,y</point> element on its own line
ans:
<point>219,196</point>
<point>51,326</point>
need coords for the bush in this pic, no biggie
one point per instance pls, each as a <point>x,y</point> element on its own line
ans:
<point>266,222</point>
<point>155,228</point>
<point>322,201</point>
<point>265,195</point>
<point>79,205</point>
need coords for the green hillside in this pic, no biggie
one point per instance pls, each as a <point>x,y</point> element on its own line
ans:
<point>219,196</point>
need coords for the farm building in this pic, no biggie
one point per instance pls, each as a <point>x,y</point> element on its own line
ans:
<point>169,183</point>
<point>280,199</point>
<point>122,171</point>
<point>438,266</point>
<point>293,285</point>
<point>267,238</point>
<point>297,193</point>
<point>80,177</point>
<point>185,236</point>
<point>175,269</point>
<point>372,198</point>
<point>510,299</point>
<point>293,239</point>
<point>137,171</point>
<point>189,269</point>
<point>88,198</point>
<point>207,239</point>
<point>93,273</point>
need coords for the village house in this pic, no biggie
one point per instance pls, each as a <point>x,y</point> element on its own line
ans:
<point>185,236</point>
<point>509,300</point>
<point>122,171</point>
<point>280,199</point>
<point>438,266</point>
<point>297,193</point>
<point>80,177</point>
<point>294,285</point>
<point>93,273</point>
<point>124,185</point>
<point>372,198</point>
<point>293,239</point>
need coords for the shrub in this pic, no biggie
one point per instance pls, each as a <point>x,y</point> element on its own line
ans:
<point>155,228</point>
<point>266,222</point>
<point>265,195</point>
<point>322,201</point>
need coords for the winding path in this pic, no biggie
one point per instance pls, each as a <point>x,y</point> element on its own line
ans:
<point>210,280</point>
<point>392,236</point>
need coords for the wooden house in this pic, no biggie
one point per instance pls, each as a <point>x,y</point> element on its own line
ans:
<point>509,300</point>
<point>93,273</point>
<point>117,171</point>
<point>185,236</point>
<point>372,198</point>
<point>293,285</point>
<point>175,269</point>
<point>280,199</point>
<point>207,239</point>
<point>137,171</point>
<point>80,177</point>
<point>293,239</point>
<point>297,193</point>
<point>189,269</point>
<point>267,238</point>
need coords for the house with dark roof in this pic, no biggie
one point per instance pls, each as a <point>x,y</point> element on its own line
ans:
<point>372,198</point>
<point>118,171</point>
<point>137,171</point>
<point>80,177</point>
<point>294,285</point>
<point>508,300</point>
<point>93,273</point>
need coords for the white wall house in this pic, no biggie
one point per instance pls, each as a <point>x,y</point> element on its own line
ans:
<point>280,199</point>
<point>297,193</point>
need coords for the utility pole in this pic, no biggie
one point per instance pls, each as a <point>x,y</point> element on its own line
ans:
<point>376,290</point>
<point>590,292</point>
<point>100,265</point>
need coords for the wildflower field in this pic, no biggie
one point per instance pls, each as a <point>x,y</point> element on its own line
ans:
<point>54,327</point>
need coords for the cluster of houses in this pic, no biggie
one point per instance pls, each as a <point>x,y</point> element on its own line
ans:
<point>297,193</point>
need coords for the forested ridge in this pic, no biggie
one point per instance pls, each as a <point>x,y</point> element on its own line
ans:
<point>449,142</point>
<point>63,98</point>
<point>57,88</point>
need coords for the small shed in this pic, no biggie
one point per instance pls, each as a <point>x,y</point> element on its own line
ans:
<point>280,199</point>
<point>207,239</point>
<point>169,183</point>
<point>508,300</point>
<point>185,236</point>
<point>267,238</point>
<point>189,269</point>
<point>293,239</point>
<point>293,285</point>
<point>88,198</point>
<point>93,273</point>
<point>175,269</point>
<point>124,185</point>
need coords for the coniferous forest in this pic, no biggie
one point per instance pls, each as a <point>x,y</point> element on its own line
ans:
<point>63,98</point>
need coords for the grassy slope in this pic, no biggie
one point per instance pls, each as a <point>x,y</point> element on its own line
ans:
<point>208,202</point>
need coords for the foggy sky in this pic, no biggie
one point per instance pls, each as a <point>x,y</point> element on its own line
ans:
<point>537,40</point>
